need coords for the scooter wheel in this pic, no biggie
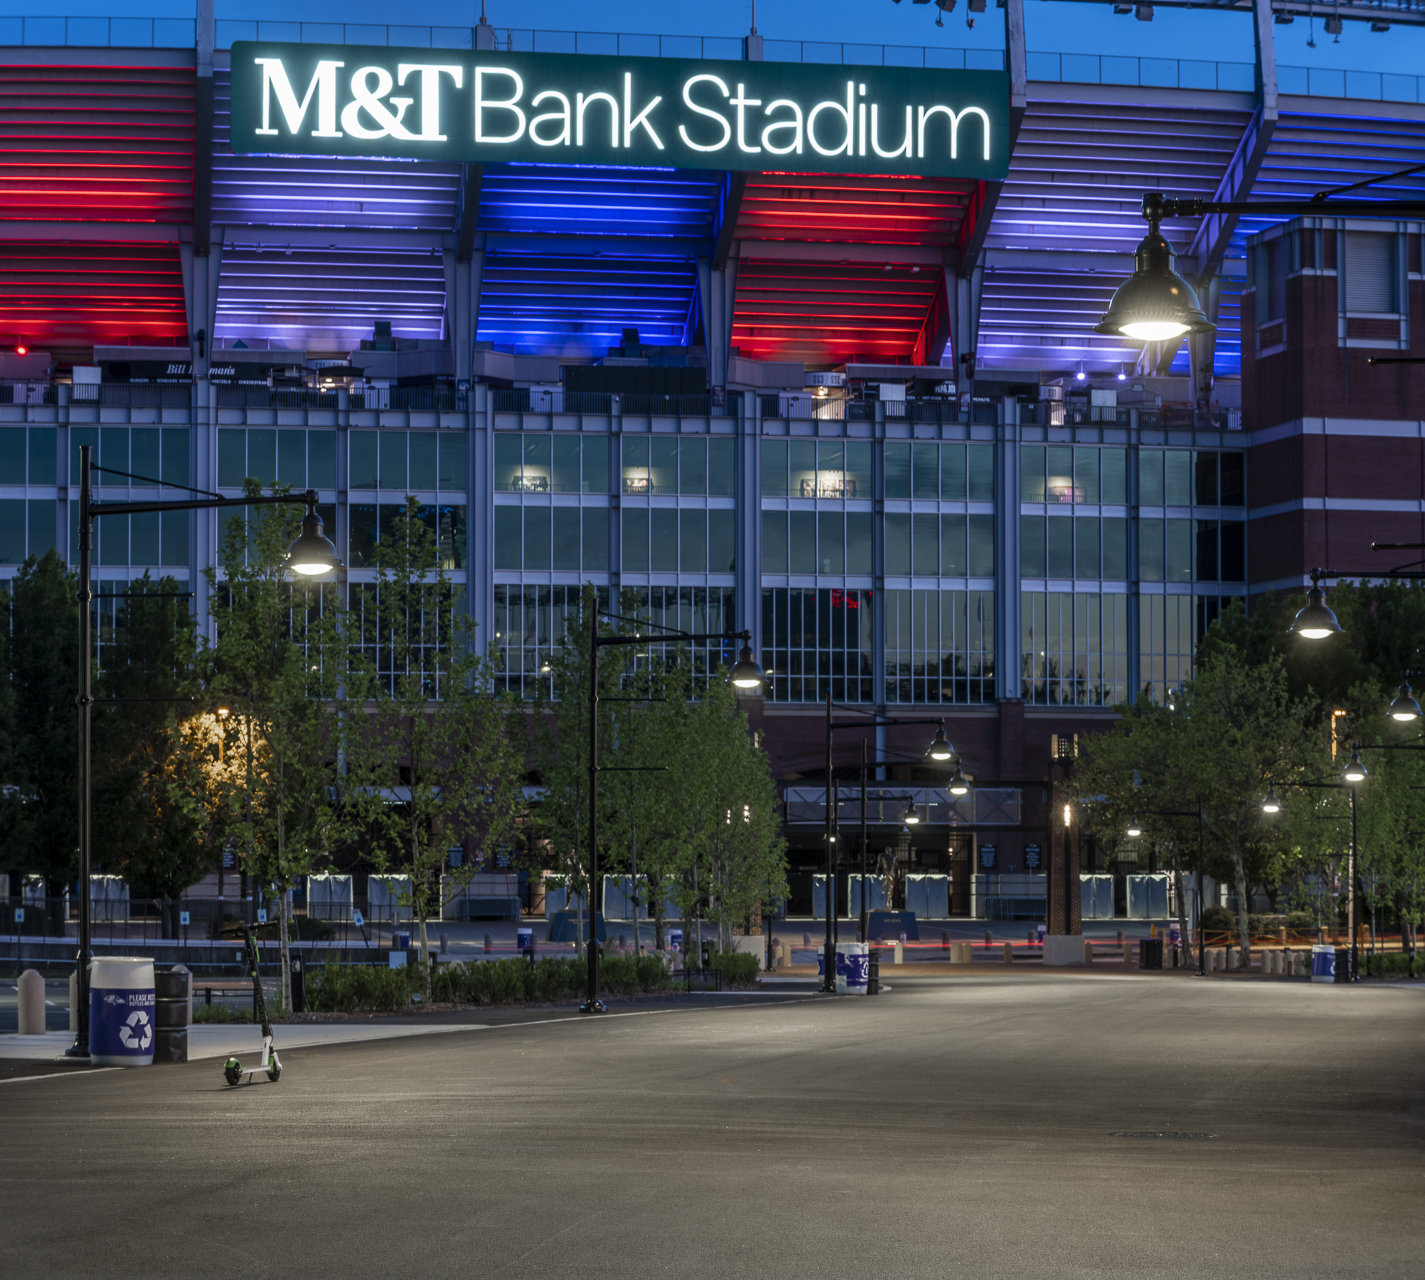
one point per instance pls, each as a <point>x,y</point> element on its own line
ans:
<point>273,1073</point>
<point>232,1073</point>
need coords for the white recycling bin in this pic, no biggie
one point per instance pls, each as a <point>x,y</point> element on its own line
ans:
<point>121,1011</point>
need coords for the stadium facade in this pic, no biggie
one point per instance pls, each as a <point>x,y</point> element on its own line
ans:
<point>857,406</point>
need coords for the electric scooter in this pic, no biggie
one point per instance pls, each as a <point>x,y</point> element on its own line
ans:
<point>233,1070</point>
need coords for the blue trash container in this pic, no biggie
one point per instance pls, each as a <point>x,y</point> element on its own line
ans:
<point>524,940</point>
<point>121,1011</point>
<point>1323,964</point>
<point>400,942</point>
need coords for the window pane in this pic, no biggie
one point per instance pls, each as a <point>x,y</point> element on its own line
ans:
<point>722,468</point>
<point>537,541</point>
<point>858,469</point>
<point>692,540</point>
<point>1204,477</point>
<point>635,465</point>
<point>596,539</point>
<point>12,530</point>
<point>12,455</point>
<point>423,460</point>
<point>925,470</point>
<point>774,541</point>
<point>925,544</point>
<point>79,436</point>
<point>361,465</point>
<point>802,541</point>
<point>42,449</point>
<point>981,460</point>
<point>1234,551</point>
<point>1086,476</point>
<point>144,459</point>
<point>1115,476</point>
<point>144,539</point>
<point>896,459</point>
<point>952,472</point>
<point>232,457</point>
<point>113,452</point>
<point>635,533</point>
<point>41,523</point>
<point>262,455</point>
<point>1059,474</point>
<point>292,458</point>
<point>830,549</point>
<point>774,468</point>
<point>1031,546</point>
<point>1150,550</point>
<point>1059,549</point>
<point>1205,559</point>
<point>663,463</point>
<point>1115,548</point>
<point>596,464</point>
<point>1177,478</point>
<point>952,546</point>
<point>1150,477</point>
<point>1232,487</point>
<point>1086,549</point>
<point>566,464</point>
<point>321,459</point>
<point>453,460</point>
<point>722,541</point>
<point>1031,473</point>
<point>860,549</point>
<point>507,536</point>
<point>980,552</point>
<point>537,464</point>
<point>663,539</point>
<point>897,548</point>
<point>801,468</point>
<point>566,538</point>
<point>112,537</point>
<point>174,549</point>
<point>693,465</point>
<point>1177,551</point>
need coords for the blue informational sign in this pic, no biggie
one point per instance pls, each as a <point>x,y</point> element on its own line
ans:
<point>358,919</point>
<point>987,857</point>
<point>183,919</point>
<point>19,915</point>
<point>1031,857</point>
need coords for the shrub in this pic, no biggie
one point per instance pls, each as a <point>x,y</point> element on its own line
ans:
<point>1219,920</point>
<point>1391,964</point>
<point>1301,922</point>
<point>738,969</point>
<point>333,988</point>
<point>627,975</point>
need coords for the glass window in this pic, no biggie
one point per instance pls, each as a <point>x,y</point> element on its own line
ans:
<point>113,452</point>
<point>802,541</point>
<point>1150,550</point>
<point>722,540</point>
<point>596,538</point>
<point>1150,477</point>
<point>424,470</point>
<point>774,468</point>
<point>830,544</point>
<point>42,514</point>
<point>12,455</point>
<point>815,641</point>
<point>1177,478</point>
<point>860,547</point>
<point>144,539</point>
<point>1059,549</point>
<point>952,472</point>
<point>801,468</point>
<point>940,646</point>
<point>321,459</point>
<point>112,541</point>
<point>897,548</point>
<point>1086,488</point>
<point>1059,474</point>
<point>692,465</point>
<point>1205,553</point>
<point>1086,547</point>
<point>1233,488</point>
<point>565,466</point>
<point>537,540</point>
<point>980,551</point>
<point>1233,544</point>
<point>292,458</point>
<point>566,538</point>
<point>925,470</point>
<point>1031,473</point>
<point>925,545</point>
<point>774,542</point>
<point>508,555</point>
<point>79,436</point>
<point>174,550</point>
<point>1073,648</point>
<point>636,478</point>
<point>1165,642</point>
<point>980,459</point>
<point>1031,546</point>
<point>447,522</point>
<point>1114,489</point>
<point>144,458</point>
<point>896,459</point>
<point>361,465</point>
<point>692,540</point>
<point>1204,478</point>
<point>453,460</point>
<point>663,463</point>
<point>262,454</point>
<point>952,546</point>
<point>858,469</point>
<point>232,457</point>
<point>509,461</point>
<point>722,467</point>
<point>42,455</point>
<point>831,469</point>
<point>12,530</point>
<point>1115,548</point>
<point>392,447</point>
<point>1177,551</point>
<point>537,465</point>
<point>596,464</point>
<point>663,539</point>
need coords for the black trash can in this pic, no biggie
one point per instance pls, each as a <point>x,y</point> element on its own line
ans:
<point>1150,953</point>
<point>299,986</point>
<point>1343,964</point>
<point>170,1010</point>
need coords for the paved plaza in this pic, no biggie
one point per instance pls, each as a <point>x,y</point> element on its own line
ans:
<point>954,1126</point>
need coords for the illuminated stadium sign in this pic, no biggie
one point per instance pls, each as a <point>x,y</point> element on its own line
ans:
<point>487,107</point>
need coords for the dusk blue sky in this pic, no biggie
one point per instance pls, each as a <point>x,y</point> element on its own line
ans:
<point>1051,26</point>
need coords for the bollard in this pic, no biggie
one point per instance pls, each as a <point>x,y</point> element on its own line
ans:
<point>1232,959</point>
<point>1269,963</point>
<point>989,938</point>
<point>900,952</point>
<point>32,1003</point>
<point>489,944</point>
<point>1121,940</point>
<point>1281,935</point>
<point>1127,950</point>
<point>1209,961</point>
<point>806,939</point>
<point>1033,937</point>
<point>1088,951</point>
<point>944,941</point>
<point>444,944</point>
<point>1008,953</point>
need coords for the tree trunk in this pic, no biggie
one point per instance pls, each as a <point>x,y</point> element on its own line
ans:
<point>1244,905</point>
<point>656,903</point>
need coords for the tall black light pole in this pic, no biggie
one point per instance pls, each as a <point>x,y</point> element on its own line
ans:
<point>745,674</point>
<point>865,924</point>
<point>939,750</point>
<point>309,554</point>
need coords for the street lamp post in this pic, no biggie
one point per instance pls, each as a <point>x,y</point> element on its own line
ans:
<point>1188,813</point>
<point>310,554</point>
<point>745,675</point>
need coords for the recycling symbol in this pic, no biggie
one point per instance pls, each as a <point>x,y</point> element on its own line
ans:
<point>136,1032</point>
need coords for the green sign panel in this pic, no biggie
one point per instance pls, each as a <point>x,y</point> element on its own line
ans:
<point>491,106</point>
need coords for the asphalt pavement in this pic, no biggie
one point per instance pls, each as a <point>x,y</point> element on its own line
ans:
<point>998,1125</point>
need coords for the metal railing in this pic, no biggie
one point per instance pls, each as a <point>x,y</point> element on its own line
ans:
<point>885,805</point>
<point>28,393</point>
